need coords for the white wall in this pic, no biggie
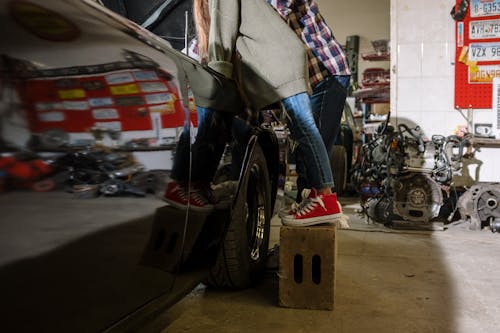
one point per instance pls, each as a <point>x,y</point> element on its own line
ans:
<point>423,46</point>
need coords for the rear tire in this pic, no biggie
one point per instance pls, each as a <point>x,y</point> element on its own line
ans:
<point>338,163</point>
<point>243,254</point>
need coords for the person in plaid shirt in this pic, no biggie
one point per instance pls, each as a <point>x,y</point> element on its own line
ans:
<point>329,73</point>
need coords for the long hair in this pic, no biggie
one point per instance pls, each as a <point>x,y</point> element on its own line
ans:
<point>202,21</point>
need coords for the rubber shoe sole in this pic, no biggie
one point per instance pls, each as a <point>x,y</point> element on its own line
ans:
<point>326,219</point>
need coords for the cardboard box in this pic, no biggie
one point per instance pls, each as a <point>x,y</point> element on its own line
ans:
<point>380,108</point>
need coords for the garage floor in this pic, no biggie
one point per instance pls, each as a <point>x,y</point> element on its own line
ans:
<point>387,281</point>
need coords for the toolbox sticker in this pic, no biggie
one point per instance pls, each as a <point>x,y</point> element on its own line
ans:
<point>483,74</point>
<point>163,108</point>
<point>127,89</point>
<point>51,116</point>
<point>93,85</point>
<point>105,114</point>
<point>484,29</point>
<point>158,98</point>
<point>98,102</point>
<point>149,87</point>
<point>129,101</point>
<point>48,106</point>
<point>42,22</point>
<point>112,125</point>
<point>480,8</point>
<point>119,78</point>
<point>145,76</point>
<point>71,94</point>
<point>74,105</point>
<point>484,51</point>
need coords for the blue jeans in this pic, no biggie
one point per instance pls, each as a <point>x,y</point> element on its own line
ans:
<point>310,148</point>
<point>327,103</point>
<point>214,131</point>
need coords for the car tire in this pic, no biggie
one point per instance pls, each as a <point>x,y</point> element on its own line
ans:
<point>242,257</point>
<point>338,163</point>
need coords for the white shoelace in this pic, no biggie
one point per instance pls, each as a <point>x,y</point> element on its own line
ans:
<point>310,205</point>
<point>305,199</point>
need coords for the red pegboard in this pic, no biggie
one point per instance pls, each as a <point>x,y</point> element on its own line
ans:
<point>473,77</point>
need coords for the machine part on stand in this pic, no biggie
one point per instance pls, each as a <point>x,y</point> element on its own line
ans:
<point>411,173</point>
<point>417,198</point>
<point>480,206</point>
<point>379,209</point>
<point>495,225</point>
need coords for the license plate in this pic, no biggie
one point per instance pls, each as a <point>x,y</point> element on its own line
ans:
<point>483,74</point>
<point>484,29</point>
<point>480,8</point>
<point>484,51</point>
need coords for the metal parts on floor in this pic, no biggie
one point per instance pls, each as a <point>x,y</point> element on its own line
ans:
<point>480,206</point>
<point>100,172</point>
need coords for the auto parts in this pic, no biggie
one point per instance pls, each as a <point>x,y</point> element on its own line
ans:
<point>411,175</point>
<point>480,206</point>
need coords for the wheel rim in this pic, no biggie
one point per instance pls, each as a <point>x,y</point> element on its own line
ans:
<point>256,221</point>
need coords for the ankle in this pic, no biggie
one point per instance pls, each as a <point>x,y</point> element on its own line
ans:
<point>325,190</point>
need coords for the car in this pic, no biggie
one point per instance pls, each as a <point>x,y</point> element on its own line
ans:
<point>85,94</point>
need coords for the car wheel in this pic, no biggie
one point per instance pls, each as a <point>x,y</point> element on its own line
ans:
<point>243,254</point>
<point>338,163</point>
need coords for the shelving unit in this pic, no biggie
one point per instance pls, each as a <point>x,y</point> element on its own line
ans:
<point>376,57</point>
<point>374,93</point>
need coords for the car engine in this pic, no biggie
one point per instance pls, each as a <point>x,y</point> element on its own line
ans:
<point>404,177</point>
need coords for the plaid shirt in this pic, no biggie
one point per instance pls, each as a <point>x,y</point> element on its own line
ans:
<point>325,54</point>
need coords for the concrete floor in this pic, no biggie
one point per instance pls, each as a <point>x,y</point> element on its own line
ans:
<point>387,281</point>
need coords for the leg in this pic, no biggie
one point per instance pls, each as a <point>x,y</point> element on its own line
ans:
<point>310,144</point>
<point>214,131</point>
<point>321,205</point>
<point>206,151</point>
<point>181,158</point>
<point>327,104</point>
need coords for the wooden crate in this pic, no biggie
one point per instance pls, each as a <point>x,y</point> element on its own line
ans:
<point>307,267</point>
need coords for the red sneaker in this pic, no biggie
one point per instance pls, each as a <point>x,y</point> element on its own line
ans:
<point>177,196</point>
<point>318,209</point>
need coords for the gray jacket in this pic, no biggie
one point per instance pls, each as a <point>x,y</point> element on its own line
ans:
<point>270,63</point>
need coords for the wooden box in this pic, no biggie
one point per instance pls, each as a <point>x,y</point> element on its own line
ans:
<point>307,267</point>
